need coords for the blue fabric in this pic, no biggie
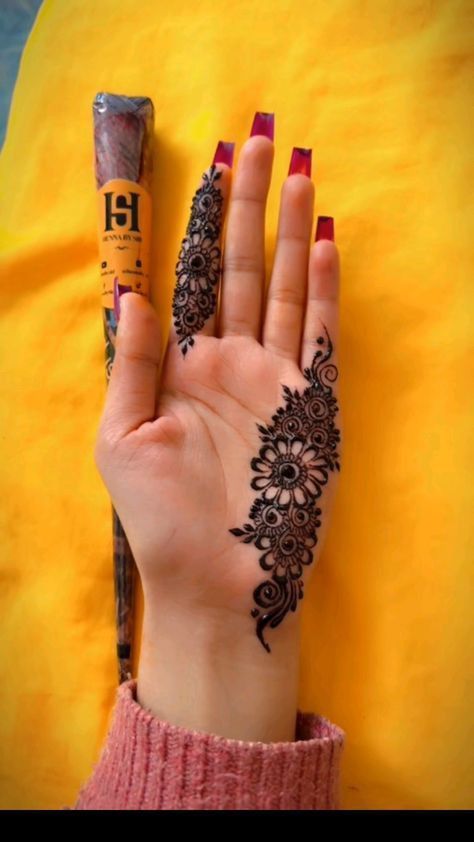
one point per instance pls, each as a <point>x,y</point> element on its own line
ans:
<point>16,19</point>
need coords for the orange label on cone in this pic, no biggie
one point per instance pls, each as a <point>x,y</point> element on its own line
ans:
<point>124,237</point>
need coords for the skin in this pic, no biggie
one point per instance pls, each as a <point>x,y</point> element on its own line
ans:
<point>174,448</point>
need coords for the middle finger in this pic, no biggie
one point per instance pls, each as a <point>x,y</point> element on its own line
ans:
<point>287,289</point>
<point>244,252</point>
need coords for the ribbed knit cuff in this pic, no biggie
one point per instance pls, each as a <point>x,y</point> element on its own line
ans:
<point>148,764</point>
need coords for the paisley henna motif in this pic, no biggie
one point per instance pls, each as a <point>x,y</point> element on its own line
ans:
<point>199,262</point>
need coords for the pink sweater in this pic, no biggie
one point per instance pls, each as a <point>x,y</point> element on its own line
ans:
<point>148,764</point>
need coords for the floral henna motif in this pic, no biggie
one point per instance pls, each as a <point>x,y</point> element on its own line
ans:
<point>299,450</point>
<point>199,262</point>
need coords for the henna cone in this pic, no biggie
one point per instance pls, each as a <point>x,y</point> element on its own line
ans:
<point>123,139</point>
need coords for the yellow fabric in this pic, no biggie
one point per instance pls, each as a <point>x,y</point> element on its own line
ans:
<point>380,91</point>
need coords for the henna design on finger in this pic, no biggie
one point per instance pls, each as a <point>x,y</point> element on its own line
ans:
<point>298,451</point>
<point>199,263</point>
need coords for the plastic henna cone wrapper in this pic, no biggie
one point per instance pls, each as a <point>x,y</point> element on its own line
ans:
<point>123,143</point>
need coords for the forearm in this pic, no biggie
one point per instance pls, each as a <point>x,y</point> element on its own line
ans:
<point>209,673</point>
<point>211,722</point>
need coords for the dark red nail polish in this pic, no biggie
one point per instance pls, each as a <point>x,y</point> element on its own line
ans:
<point>325,228</point>
<point>119,290</point>
<point>224,153</point>
<point>300,161</point>
<point>263,123</point>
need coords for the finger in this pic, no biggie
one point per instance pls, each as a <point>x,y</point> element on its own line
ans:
<point>198,269</point>
<point>287,290</point>
<point>131,392</point>
<point>244,251</point>
<point>322,306</point>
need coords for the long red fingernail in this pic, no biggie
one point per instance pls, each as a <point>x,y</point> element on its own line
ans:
<point>300,161</point>
<point>325,228</point>
<point>224,153</point>
<point>119,290</point>
<point>263,123</point>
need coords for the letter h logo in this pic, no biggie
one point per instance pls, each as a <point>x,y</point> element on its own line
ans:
<point>122,212</point>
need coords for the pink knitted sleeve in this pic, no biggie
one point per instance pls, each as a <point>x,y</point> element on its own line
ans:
<point>148,764</point>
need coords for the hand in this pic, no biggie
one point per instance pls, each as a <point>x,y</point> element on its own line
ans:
<point>223,517</point>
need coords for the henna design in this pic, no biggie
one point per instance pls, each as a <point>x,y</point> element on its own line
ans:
<point>298,451</point>
<point>199,262</point>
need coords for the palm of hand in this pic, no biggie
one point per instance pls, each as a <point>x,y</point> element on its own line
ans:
<point>191,471</point>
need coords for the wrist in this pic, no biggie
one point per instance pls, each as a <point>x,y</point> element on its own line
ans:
<point>207,671</point>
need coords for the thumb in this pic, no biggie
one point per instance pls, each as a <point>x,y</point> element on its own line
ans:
<point>132,390</point>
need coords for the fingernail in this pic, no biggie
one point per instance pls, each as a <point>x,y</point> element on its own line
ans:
<point>300,161</point>
<point>119,290</point>
<point>263,123</point>
<point>325,228</point>
<point>224,153</point>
